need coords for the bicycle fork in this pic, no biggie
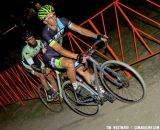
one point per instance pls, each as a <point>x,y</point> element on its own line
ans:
<point>96,81</point>
<point>108,73</point>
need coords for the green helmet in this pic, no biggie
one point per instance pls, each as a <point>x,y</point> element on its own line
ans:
<point>44,10</point>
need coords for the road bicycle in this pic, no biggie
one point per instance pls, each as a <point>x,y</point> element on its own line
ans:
<point>116,77</point>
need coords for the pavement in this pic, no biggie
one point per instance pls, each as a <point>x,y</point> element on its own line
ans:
<point>118,115</point>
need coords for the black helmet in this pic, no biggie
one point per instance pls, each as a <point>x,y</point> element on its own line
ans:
<point>26,35</point>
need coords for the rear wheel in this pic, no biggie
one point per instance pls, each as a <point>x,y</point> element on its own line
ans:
<point>124,82</point>
<point>84,102</point>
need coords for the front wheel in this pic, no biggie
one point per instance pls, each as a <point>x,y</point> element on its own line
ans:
<point>83,102</point>
<point>123,81</point>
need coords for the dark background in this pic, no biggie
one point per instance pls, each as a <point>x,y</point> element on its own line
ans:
<point>12,13</point>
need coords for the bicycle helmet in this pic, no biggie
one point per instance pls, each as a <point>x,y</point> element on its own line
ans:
<point>44,10</point>
<point>26,35</point>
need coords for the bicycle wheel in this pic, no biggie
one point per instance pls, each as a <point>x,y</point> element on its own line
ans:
<point>54,106</point>
<point>124,82</point>
<point>84,103</point>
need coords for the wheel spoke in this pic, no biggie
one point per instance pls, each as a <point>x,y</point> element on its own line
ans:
<point>132,88</point>
<point>83,102</point>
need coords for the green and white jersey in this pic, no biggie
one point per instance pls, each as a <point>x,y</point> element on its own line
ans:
<point>29,56</point>
<point>28,52</point>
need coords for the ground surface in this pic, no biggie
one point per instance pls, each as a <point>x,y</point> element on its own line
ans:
<point>34,116</point>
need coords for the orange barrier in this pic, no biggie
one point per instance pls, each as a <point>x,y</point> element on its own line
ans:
<point>17,85</point>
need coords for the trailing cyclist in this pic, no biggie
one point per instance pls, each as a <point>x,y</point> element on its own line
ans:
<point>58,57</point>
<point>34,65</point>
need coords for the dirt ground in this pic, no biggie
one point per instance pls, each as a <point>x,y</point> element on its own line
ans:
<point>144,115</point>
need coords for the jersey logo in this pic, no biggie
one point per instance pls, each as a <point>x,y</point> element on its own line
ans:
<point>59,35</point>
<point>27,53</point>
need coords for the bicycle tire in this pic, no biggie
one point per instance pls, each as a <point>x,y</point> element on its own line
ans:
<point>132,84</point>
<point>89,108</point>
<point>55,106</point>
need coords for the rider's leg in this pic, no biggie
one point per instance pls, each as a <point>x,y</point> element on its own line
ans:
<point>90,78</point>
<point>50,78</point>
<point>50,92</point>
<point>42,79</point>
<point>85,74</point>
<point>71,72</point>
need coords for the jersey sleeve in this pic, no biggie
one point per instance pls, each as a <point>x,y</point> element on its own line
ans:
<point>46,35</point>
<point>66,22</point>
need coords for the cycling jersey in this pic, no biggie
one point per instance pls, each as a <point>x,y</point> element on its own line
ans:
<point>51,57</point>
<point>50,37</point>
<point>29,57</point>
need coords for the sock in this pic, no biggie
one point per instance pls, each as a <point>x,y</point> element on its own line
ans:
<point>92,78</point>
<point>75,85</point>
<point>101,89</point>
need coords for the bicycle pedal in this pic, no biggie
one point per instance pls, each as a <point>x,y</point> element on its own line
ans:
<point>108,97</point>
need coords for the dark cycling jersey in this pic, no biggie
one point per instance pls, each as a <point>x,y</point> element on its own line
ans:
<point>55,35</point>
<point>52,36</point>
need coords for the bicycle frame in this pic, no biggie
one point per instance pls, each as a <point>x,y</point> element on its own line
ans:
<point>103,73</point>
<point>97,67</point>
<point>59,83</point>
<point>78,79</point>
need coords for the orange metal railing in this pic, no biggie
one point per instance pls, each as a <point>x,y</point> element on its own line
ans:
<point>16,85</point>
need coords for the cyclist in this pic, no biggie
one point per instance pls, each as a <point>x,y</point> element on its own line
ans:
<point>60,57</point>
<point>34,64</point>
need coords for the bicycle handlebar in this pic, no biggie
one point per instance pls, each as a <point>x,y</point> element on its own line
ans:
<point>90,51</point>
<point>93,47</point>
<point>97,41</point>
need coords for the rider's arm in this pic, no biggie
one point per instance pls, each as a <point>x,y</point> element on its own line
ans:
<point>63,51</point>
<point>82,31</point>
<point>29,61</point>
<point>35,67</point>
<point>86,32</point>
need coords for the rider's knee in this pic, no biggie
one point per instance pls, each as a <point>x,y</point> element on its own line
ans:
<point>69,64</point>
<point>41,76</point>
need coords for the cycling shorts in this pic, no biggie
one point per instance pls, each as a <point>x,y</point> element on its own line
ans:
<point>57,63</point>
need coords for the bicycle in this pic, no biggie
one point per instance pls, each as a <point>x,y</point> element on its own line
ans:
<point>115,76</point>
<point>56,104</point>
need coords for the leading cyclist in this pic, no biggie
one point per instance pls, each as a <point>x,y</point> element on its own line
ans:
<point>60,57</point>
